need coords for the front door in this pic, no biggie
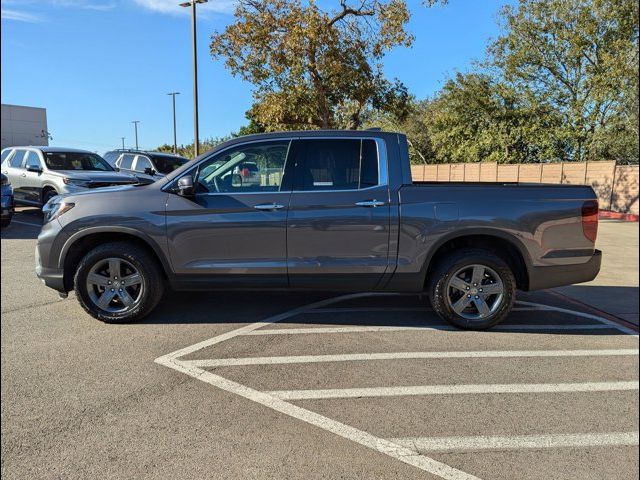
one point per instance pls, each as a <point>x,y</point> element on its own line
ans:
<point>232,232</point>
<point>338,224</point>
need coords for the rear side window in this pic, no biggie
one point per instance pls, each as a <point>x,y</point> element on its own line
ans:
<point>5,154</point>
<point>16,160</point>
<point>340,164</point>
<point>126,161</point>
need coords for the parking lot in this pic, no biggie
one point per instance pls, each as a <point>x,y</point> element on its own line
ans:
<point>280,385</point>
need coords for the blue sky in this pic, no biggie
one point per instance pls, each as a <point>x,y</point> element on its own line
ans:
<point>96,65</point>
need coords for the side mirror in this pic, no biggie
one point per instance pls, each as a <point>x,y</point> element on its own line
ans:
<point>34,168</point>
<point>149,171</point>
<point>185,186</point>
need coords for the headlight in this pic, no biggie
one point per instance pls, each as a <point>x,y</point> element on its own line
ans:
<point>76,182</point>
<point>54,208</point>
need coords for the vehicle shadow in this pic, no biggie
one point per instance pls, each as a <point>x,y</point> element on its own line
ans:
<point>374,311</point>
<point>25,225</point>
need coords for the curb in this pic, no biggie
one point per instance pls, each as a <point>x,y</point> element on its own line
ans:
<point>595,311</point>
<point>627,217</point>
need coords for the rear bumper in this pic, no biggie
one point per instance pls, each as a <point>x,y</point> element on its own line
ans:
<point>561,275</point>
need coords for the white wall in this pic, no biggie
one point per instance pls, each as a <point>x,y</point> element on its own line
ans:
<point>23,126</point>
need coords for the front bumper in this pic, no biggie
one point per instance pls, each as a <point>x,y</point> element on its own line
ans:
<point>51,277</point>
<point>561,275</point>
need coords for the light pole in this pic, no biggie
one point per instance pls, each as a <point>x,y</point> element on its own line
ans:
<point>175,139</point>
<point>122,142</point>
<point>135,125</point>
<point>196,140</point>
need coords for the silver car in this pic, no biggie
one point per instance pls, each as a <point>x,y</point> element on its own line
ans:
<point>38,174</point>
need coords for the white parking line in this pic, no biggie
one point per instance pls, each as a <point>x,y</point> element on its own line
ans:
<point>453,390</point>
<point>468,444</point>
<point>27,223</point>
<point>438,328</point>
<point>389,447</point>
<point>353,357</point>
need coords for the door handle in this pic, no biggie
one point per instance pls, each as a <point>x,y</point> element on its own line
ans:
<point>268,206</point>
<point>370,203</point>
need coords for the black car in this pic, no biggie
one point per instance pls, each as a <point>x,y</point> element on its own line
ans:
<point>146,166</point>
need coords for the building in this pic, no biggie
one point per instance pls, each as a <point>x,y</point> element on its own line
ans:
<point>24,126</point>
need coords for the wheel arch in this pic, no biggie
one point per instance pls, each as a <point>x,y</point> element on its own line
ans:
<point>81,242</point>
<point>503,244</point>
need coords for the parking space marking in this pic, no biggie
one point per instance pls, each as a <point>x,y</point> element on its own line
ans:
<point>353,357</point>
<point>453,390</point>
<point>516,442</point>
<point>27,223</point>
<point>438,328</point>
<point>400,449</point>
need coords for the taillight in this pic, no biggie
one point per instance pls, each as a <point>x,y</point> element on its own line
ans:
<point>590,220</point>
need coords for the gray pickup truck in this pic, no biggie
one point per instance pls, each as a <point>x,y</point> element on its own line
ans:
<point>326,210</point>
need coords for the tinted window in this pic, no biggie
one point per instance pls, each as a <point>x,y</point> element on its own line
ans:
<point>16,160</point>
<point>32,160</point>
<point>75,161</point>
<point>345,164</point>
<point>257,167</point>
<point>167,164</point>
<point>111,157</point>
<point>142,163</point>
<point>5,154</point>
<point>126,161</point>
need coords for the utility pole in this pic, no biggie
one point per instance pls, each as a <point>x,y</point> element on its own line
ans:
<point>135,125</point>
<point>122,142</point>
<point>196,139</point>
<point>175,138</point>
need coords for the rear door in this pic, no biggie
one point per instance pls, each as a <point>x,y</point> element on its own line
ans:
<point>338,224</point>
<point>14,170</point>
<point>232,233</point>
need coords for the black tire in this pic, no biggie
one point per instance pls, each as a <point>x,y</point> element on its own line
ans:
<point>152,286</point>
<point>48,195</point>
<point>446,267</point>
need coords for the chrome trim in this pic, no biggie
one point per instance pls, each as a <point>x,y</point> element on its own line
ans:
<point>383,165</point>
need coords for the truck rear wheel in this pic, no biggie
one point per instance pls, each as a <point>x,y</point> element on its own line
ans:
<point>118,282</point>
<point>472,289</point>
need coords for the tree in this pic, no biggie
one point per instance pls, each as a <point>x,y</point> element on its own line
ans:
<point>315,68</point>
<point>581,58</point>
<point>477,118</point>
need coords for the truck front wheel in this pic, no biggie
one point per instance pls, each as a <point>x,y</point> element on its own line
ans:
<point>118,282</point>
<point>472,289</point>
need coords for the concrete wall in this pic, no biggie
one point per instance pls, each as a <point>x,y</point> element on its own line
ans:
<point>617,186</point>
<point>23,126</point>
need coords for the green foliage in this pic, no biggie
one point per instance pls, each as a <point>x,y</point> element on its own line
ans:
<point>187,151</point>
<point>315,68</point>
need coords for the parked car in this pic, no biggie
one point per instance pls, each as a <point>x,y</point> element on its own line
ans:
<point>40,173</point>
<point>7,202</point>
<point>334,210</point>
<point>146,166</point>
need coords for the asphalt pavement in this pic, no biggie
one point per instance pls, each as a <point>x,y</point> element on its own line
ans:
<point>277,385</point>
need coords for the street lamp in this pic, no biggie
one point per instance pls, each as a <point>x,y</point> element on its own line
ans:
<point>135,124</point>
<point>122,142</point>
<point>175,140</point>
<point>196,140</point>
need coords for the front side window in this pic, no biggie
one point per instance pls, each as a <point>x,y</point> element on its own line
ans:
<point>5,154</point>
<point>32,160</point>
<point>142,163</point>
<point>255,167</point>
<point>16,160</point>
<point>167,164</point>
<point>75,161</point>
<point>337,164</point>
<point>126,162</point>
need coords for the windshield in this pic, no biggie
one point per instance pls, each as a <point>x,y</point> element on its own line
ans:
<point>75,161</point>
<point>167,165</point>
